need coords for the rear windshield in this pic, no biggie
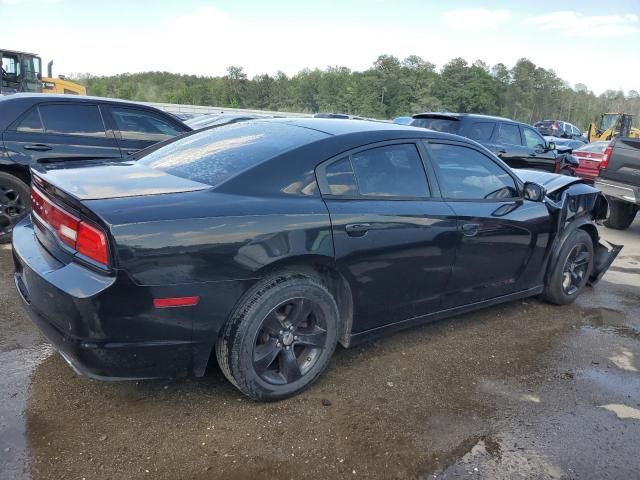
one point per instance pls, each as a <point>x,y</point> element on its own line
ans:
<point>214,156</point>
<point>446,125</point>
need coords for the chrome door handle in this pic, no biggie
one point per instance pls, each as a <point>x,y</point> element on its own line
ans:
<point>470,229</point>
<point>357,229</point>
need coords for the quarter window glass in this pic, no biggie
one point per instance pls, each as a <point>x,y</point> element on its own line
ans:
<point>466,174</point>
<point>72,120</point>
<point>509,134</point>
<point>31,123</point>
<point>340,178</point>
<point>481,131</point>
<point>394,170</point>
<point>532,139</point>
<point>137,125</point>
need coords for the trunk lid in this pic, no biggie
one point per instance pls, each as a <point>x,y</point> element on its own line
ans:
<point>94,180</point>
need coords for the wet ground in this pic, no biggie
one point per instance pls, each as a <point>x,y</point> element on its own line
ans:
<point>523,390</point>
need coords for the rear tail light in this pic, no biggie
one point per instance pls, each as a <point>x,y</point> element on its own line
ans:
<point>606,157</point>
<point>70,230</point>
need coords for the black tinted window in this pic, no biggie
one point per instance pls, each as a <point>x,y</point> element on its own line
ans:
<point>394,170</point>
<point>138,125</point>
<point>464,173</point>
<point>72,120</point>
<point>31,122</point>
<point>446,125</point>
<point>481,131</point>
<point>508,134</point>
<point>213,156</point>
<point>340,178</point>
<point>533,139</point>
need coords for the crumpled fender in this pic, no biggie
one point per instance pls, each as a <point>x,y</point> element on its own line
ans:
<point>575,206</point>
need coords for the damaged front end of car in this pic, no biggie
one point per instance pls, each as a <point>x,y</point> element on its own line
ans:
<point>574,205</point>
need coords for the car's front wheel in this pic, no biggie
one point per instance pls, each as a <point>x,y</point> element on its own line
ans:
<point>280,338</point>
<point>572,270</point>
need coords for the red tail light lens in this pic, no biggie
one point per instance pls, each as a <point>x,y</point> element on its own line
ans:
<point>70,230</point>
<point>605,159</point>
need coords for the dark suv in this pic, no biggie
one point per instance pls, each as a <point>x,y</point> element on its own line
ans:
<point>40,128</point>
<point>517,144</point>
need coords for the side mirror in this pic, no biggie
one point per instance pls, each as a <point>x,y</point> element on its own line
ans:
<point>551,146</point>
<point>534,192</point>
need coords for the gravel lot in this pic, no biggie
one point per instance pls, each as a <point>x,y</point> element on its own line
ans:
<point>522,390</point>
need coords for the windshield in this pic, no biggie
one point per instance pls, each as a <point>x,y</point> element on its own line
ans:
<point>609,121</point>
<point>215,155</point>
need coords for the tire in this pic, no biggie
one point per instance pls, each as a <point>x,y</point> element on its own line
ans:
<point>577,245</point>
<point>621,214</point>
<point>257,334</point>
<point>15,204</point>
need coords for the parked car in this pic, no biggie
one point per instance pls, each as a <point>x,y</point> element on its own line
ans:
<point>590,157</point>
<point>403,120</point>
<point>219,119</point>
<point>45,128</point>
<point>564,144</point>
<point>558,128</point>
<point>619,181</point>
<point>517,144</point>
<point>267,242</point>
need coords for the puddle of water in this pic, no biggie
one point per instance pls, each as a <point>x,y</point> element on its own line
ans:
<point>623,411</point>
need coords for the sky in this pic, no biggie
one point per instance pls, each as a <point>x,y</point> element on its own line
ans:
<point>596,43</point>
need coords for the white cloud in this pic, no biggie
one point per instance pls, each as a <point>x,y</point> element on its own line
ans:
<point>574,24</point>
<point>25,2</point>
<point>474,18</point>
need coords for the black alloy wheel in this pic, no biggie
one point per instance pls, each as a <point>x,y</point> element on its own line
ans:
<point>290,341</point>
<point>14,204</point>
<point>575,268</point>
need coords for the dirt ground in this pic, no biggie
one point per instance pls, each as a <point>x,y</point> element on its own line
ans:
<point>522,390</point>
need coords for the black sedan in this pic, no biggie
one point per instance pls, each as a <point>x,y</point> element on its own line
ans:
<point>265,243</point>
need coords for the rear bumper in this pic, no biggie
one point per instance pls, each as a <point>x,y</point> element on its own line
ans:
<point>618,190</point>
<point>105,327</point>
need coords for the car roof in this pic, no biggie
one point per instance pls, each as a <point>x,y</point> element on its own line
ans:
<point>338,126</point>
<point>459,116</point>
<point>61,97</point>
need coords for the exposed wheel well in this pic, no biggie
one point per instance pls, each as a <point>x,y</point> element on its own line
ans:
<point>593,233</point>
<point>322,270</point>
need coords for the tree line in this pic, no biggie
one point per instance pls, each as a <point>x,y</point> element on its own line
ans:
<point>390,87</point>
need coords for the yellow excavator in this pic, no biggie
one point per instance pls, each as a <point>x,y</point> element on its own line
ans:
<point>22,72</point>
<point>612,125</point>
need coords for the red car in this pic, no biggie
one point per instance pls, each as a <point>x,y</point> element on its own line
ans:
<point>590,157</point>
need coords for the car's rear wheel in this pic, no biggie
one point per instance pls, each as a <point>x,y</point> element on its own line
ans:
<point>621,214</point>
<point>572,270</point>
<point>281,337</point>
<point>15,204</point>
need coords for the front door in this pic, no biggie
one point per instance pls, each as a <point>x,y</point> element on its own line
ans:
<point>501,237</point>
<point>394,241</point>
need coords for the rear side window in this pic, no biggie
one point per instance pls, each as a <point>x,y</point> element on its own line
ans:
<point>508,134</point>
<point>340,178</point>
<point>214,156</point>
<point>139,125</point>
<point>82,120</point>
<point>481,131</point>
<point>31,123</point>
<point>466,174</point>
<point>446,125</point>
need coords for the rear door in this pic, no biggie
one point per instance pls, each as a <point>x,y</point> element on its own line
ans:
<point>502,237</point>
<point>507,144</point>
<point>138,128</point>
<point>394,237</point>
<point>50,132</point>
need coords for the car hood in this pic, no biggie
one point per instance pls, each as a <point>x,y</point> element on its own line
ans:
<point>550,181</point>
<point>94,180</point>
